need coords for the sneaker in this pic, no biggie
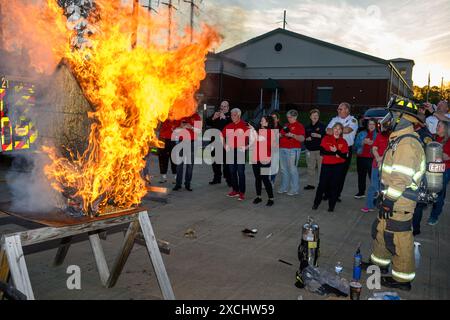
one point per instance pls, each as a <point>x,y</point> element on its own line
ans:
<point>241,197</point>
<point>432,222</point>
<point>292,194</point>
<point>330,209</point>
<point>233,194</point>
<point>309,187</point>
<point>365,210</point>
<point>281,191</point>
<point>269,203</point>
<point>314,207</point>
<point>176,188</point>
<point>257,200</point>
<point>188,188</point>
<point>359,196</point>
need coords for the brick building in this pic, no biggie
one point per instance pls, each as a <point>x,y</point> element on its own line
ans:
<point>283,69</point>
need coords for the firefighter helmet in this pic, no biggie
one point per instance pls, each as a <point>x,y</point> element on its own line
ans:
<point>406,107</point>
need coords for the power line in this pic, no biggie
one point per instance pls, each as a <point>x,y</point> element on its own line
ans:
<point>150,7</point>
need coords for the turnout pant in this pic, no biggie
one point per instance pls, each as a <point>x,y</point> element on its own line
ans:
<point>394,244</point>
<point>364,168</point>
<point>164,156</point>
<point>345,170</point>
<point>330,178</point>
<point>260,179</point>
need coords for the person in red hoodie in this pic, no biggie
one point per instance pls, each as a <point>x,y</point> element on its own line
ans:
<point>235,137</point>
<point>192,124</point>
<point>165,135</point>
<point>334,150</point>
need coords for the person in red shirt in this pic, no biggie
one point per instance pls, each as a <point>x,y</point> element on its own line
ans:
<point>189,129</point>
<point>363,143</point>
<point>378,148</point>
<point>235,136</point>
<point>165,135</point>
<point>292,135</point>
<point>334,150</point>
<point>443,137</point>
<point>261,156</point>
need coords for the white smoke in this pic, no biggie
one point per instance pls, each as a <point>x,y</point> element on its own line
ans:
<point>29,188</point>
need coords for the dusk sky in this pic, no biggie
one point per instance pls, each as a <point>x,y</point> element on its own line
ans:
<point>414,29</point>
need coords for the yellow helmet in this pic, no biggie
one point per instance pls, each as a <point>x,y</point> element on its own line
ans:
<point>406,106</point>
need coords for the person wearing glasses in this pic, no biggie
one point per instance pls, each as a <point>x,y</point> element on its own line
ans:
<point>350,128</point>
<point>218,121</point>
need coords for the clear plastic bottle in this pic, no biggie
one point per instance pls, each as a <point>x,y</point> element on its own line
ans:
<point>338,268</point>
<point>417,253</point>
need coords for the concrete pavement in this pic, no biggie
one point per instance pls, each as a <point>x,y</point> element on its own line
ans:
<point>221,263</point>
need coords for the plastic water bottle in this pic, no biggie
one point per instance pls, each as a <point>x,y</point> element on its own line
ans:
<point>338,268</point>
<point>417,253</point>
<point>357,265</point>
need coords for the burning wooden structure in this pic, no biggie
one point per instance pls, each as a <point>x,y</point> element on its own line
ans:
<point>63,117</point>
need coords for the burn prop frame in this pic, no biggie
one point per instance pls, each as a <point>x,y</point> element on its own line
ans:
<point>12,258</point>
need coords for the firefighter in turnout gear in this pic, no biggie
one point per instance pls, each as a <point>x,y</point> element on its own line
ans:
<point>401,172</point>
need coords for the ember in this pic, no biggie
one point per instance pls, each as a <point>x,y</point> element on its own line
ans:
<point>132,89</point>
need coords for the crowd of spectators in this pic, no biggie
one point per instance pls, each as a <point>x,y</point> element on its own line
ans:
<point>328,149</point>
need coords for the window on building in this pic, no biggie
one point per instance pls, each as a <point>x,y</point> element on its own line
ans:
<point>324,95</point>
<point>403,72</point>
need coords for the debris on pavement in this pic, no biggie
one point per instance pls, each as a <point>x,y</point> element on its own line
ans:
<point>285,262</point>
<point>385,296</point>
<point>250,232</point>
<point>190,233</point>
<point>323,282</point>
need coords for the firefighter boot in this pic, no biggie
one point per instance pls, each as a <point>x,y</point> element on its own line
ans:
<point>365,265</point>
<point>390,282</point>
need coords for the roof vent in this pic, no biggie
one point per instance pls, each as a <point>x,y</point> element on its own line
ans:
<point>278,47</point>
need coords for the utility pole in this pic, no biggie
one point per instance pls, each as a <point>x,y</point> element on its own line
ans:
<point>193,7</point>
<point>150,11</point>
<point>284,20</point>
<point>134,35</point>
<point>170,7</point>
<point>442,88</point>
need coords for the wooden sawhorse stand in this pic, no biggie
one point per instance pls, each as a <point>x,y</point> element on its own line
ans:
<point>12,259</point>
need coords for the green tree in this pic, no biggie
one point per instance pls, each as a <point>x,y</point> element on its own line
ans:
<point>435,93</point>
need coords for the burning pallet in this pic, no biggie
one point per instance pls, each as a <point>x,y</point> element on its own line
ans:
<point>59,225</point>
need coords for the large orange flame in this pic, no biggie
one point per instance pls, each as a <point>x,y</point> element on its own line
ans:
<point>132,89</point>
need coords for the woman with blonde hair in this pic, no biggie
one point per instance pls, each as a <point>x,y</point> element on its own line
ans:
<point>334,150</point>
